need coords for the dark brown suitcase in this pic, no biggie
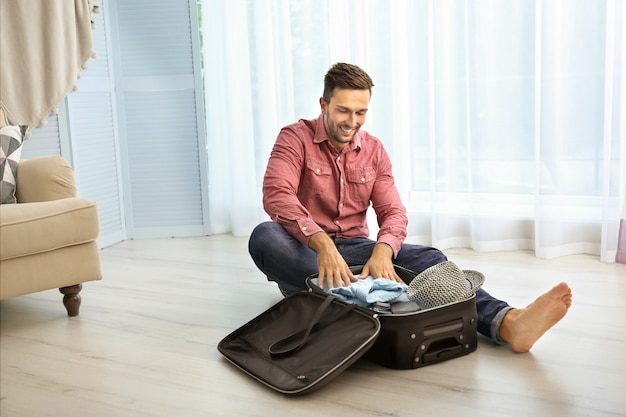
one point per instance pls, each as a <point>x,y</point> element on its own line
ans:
<point>286,347</point>
<point>423,337</point>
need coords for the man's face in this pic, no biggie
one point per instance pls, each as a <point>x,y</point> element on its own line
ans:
<point>344,115</point>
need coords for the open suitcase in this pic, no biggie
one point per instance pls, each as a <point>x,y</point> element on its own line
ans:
<point>424,337</point>
<point>308,338</point>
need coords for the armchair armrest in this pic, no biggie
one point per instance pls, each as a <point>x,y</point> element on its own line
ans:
<point>44,179</point>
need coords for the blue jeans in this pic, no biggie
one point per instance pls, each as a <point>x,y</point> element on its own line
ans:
<point>285,260</point>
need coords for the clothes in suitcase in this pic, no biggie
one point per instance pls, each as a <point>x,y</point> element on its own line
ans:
<point>302,342</point>
<point>418,338</point>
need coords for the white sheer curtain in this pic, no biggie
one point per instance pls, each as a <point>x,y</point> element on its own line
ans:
<point>505,120</point>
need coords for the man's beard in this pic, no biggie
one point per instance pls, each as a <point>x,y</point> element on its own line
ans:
<point>336,133</point>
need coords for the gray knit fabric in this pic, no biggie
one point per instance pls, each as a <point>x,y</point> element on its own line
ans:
<point>444,283</point>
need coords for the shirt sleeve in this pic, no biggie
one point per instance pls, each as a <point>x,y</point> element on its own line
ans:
<point>280,187</point>
<point>386,201</point>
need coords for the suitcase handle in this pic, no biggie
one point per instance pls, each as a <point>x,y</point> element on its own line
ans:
<point>292,343</point>
<point>442,352</point>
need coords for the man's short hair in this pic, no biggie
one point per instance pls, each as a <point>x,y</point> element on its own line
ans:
<point>346,76</point>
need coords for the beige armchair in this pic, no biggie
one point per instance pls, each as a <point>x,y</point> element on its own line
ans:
<point>48,239</point>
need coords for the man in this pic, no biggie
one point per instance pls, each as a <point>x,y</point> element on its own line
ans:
<point>321,177</point>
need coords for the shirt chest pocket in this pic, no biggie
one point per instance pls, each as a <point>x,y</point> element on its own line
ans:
<point>316,176</point>
<point>361,183</point>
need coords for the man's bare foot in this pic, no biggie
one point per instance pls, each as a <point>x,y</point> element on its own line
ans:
<point>521,328</point>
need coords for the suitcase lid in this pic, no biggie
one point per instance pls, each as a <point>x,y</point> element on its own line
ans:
<point>330,348</point>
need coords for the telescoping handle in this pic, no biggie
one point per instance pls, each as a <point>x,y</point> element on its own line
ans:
<point>292,343</point>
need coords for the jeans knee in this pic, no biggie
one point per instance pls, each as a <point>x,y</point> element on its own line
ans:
<point>419,258</point>
<point>265,235</point>
<point>258,237</point>
<point>438,256</point>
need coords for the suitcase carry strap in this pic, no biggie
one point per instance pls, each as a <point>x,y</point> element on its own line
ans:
<point>292,343</point>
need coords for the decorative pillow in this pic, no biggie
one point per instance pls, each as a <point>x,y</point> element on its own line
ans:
<point>11,139</point>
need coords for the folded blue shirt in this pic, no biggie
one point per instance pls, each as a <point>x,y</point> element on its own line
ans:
<point>369,290</point>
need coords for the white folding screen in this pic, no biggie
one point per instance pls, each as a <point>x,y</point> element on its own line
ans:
<point>131,130</point>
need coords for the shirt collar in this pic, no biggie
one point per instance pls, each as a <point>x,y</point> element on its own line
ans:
<point>320,135</point>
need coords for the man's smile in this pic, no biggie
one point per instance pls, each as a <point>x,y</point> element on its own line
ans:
<point>347,131</point>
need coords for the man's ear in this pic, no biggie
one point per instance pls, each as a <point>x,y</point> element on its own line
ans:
<point>323,105</point>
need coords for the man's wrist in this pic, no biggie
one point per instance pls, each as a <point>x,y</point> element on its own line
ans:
<point>320,242</point>
<point>382,249</point>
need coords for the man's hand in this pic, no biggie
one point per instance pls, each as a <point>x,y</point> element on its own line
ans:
<point>332,268</point>
<point>380,264</point>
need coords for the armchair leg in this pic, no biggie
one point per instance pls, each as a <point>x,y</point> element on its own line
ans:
<point>71,299</point>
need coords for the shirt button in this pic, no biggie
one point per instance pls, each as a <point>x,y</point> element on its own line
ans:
<point>317,170</point>
<point>340,205</point>
<point>304,228</point>
<point>341,180</point>
<point>362,179</point>
<point>337,222</point>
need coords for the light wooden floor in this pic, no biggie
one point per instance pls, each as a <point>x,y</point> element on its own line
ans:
<point>145,344</point>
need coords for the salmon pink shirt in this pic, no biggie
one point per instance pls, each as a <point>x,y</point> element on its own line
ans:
<point>309,186</point>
